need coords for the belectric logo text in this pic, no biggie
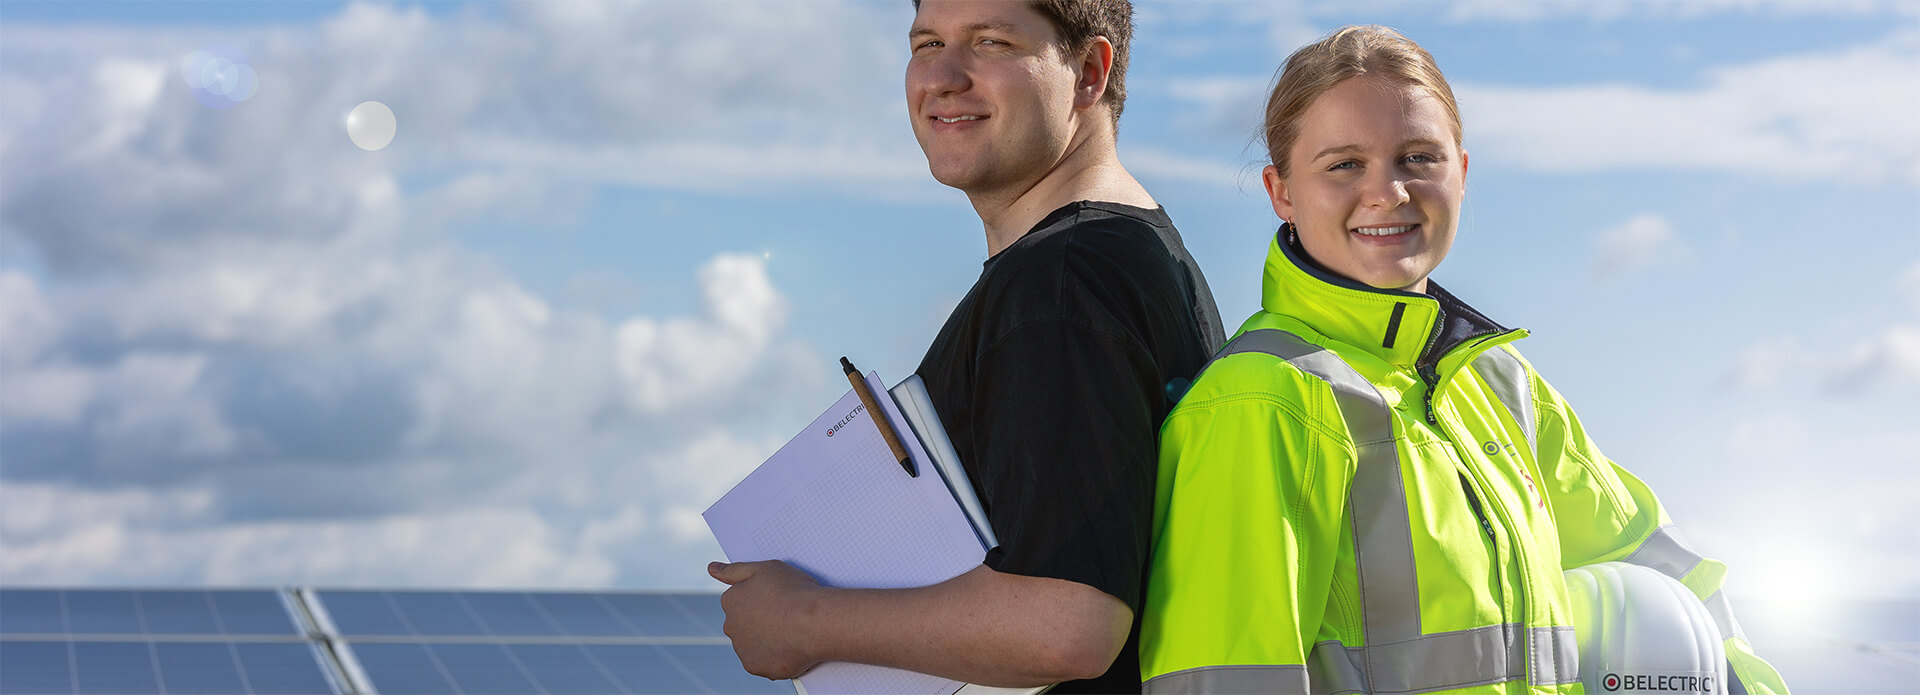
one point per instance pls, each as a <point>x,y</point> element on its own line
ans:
<point>849,418</point>
<point>1685,684</point>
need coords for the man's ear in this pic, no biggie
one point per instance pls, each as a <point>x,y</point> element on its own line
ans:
<point>1096,64</point>
<point>1277,192</point>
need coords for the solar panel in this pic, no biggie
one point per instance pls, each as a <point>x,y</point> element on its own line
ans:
<point>363,613</point>
<point>360,613</point>
<point>434,668</point>
<point>283,669</point>
<point>566,669</point>
<point>584,615</point>
<point>139,668</point>
<point>144,612</point>
<point>511,614</point>
<point>35,667</point>
<point>704,610</point>
<point>114,667</point>
<point>251,613</point>
<point>660,615</point>
<point>102,612</point>
<point>253,642</point>
<point>200,667</point>
<point>560,643</point>
<point>646,670</point>
<point>435,613</point>
<point>720,670</point>
<point>31,611</point>
<point>180,613</point>
<point>134,642</point>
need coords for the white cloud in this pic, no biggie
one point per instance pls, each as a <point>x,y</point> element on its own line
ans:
<point>1840,122</point>
<point>27,323</point>
<point>1764,366</point>
<point>245,319</point>
<point>1534,10</point>
<point>130,171</point>
<point>634,521</point>
<point>1642,240</point>
<point>668,363</point>
<point>1889,359</point>
<point>62,535</point>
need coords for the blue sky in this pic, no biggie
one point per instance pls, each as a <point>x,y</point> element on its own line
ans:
<point>614,249</point>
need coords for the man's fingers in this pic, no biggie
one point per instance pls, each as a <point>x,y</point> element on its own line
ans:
<point>731,573</point>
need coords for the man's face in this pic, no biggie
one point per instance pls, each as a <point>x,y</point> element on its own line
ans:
<point>990,94</point>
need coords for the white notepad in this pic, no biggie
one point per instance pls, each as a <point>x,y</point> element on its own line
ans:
<point>835,503</point>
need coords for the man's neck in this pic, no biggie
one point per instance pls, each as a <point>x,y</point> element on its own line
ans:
<point>1090,170</point>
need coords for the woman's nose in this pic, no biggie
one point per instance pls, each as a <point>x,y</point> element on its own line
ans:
<point>1387,190</point>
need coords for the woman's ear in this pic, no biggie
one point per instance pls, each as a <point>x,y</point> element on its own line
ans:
<point>1277,192</point>
<point>1463,173</point>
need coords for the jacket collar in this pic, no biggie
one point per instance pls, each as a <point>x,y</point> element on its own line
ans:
<point>1406,329</point>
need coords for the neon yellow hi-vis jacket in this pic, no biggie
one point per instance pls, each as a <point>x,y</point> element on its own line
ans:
<point>1369,491</point>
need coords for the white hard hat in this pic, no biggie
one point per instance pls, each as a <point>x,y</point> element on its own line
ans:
<point>1641,631</point>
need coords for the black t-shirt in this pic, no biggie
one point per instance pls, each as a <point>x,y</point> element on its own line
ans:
<point>1051,378</point>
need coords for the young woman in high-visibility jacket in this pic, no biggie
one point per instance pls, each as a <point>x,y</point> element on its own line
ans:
<point>1369,490</point>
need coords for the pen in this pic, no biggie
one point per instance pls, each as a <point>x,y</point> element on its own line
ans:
<point>879,418</point>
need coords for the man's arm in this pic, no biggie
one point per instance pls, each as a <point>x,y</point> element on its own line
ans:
<point>985,627</point>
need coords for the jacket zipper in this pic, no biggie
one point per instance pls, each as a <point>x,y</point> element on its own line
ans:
<point>1429,373</point>
<point>1473,500</point>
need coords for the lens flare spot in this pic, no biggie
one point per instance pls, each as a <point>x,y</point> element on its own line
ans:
<point>370,125</point>
<point>219,76</point>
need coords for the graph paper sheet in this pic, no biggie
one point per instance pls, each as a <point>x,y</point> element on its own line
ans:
<point>835,503</point>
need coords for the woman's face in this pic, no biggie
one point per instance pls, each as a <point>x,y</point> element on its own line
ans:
<point>1375,183</point>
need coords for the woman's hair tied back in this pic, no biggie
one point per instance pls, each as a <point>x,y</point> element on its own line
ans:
<point>1347,53</point>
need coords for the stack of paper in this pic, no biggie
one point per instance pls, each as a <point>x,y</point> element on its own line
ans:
<point>835,503</point>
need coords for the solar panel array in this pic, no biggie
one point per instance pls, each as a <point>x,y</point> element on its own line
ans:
<point>355,642</point>
<point>171,641</point>
<point>328,642</point>
<point>439,642</point>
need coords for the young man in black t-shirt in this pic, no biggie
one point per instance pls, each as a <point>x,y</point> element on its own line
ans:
<point>1052,376</point>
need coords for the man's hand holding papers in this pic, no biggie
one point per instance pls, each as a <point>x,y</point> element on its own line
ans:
<point>767,605</point>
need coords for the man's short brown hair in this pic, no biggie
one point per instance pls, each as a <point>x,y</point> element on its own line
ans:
<point>1079,21</point>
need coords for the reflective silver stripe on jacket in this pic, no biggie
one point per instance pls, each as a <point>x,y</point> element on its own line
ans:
<point>1279,680</point>
<point>1399,658</point>
<point>1481,656</point>
<point>1508,378</point>
<point>1668,552</point>
<point>1722,612</point>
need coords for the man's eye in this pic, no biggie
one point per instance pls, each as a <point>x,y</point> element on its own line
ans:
<point>1344,165</point>
<point>1422,158</point>
<point>925,44</point>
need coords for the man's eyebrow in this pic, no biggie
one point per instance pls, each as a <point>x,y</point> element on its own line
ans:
<point>975,28</point>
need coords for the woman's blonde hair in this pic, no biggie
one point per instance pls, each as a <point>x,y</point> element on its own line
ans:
<point>1342,55</point>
